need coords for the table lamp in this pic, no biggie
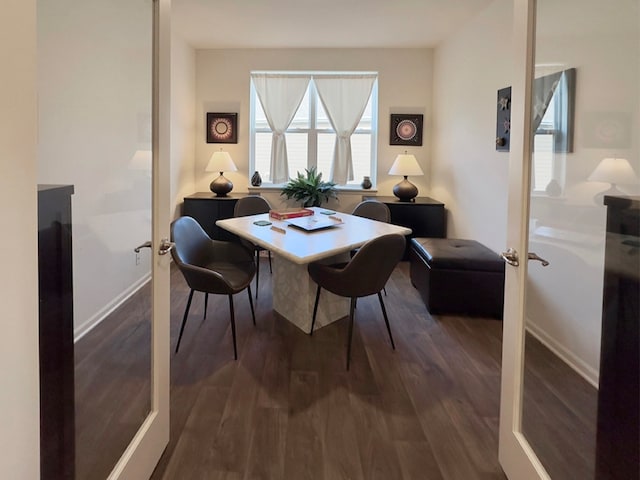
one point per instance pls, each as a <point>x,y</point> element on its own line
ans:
<point>614,171</point>
<point>221,162</point>
<point>405,165</point>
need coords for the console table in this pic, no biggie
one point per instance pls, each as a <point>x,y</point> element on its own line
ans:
<point>425,216</point>
<point>206,208</point>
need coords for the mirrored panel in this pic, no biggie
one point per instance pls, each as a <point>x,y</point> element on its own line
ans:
<point>586,145</point>
<point>95,100</point>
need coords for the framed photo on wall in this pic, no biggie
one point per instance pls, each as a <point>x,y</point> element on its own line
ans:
<point>222,128</point>
<point>406,129</point>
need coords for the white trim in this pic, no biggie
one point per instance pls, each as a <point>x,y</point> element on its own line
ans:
<point>587,372</point>
<point>81,330</point>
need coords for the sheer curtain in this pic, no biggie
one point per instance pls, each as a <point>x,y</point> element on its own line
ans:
<point>280,96</point>
<point>344,99</point>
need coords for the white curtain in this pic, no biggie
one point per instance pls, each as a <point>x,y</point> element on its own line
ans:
<point>280,96</point>
<point>344,99</point>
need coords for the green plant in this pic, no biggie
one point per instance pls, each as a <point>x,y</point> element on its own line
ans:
<point>310,189</point>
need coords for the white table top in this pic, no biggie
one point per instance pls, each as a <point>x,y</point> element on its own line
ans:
<point>303,247</point>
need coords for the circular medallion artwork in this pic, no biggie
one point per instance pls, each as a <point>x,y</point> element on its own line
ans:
<point>406,129</point>
<point>222,128</point>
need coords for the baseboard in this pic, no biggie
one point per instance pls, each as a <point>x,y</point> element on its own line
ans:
<point>585,371</point>
<point>95,320</point>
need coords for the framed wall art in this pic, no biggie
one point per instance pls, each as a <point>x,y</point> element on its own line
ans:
<point>406,129</point>
<point>503,120</point>
<point>222,128</point>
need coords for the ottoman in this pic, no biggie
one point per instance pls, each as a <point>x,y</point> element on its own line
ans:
<point>457,277</point>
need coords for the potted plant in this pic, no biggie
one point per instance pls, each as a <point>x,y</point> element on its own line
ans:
<point>310,189</point>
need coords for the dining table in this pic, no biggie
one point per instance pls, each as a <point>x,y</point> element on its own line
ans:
<point>326,236</point>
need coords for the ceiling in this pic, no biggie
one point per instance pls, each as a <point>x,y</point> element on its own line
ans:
<point>320,23</point>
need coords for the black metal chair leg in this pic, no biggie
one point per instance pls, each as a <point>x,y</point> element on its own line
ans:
<point>386,320</point>
<point>184,319</point>
<point>257,271</point>
<point>206,303</point>
<point>315,310</point>
<point>351,315</point>
<point>233,327</point>
<point>253,314</point>
<point>269,253</point>
<point>384,289</point>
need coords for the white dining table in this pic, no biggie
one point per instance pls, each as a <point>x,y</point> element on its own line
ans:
<point>293,249</point>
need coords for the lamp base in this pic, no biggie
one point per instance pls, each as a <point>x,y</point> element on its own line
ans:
<point>598,199</point>
<point>405,190</point>
<point>221,186</point>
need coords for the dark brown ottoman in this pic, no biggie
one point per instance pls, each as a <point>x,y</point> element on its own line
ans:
<point>457,277</point>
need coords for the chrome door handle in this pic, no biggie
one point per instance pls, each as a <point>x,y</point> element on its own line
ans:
<point>534,256</point>
<point>165,246</point>
<point>511,257</point>
<point>144,245</point>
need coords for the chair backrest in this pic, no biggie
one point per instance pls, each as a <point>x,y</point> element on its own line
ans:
<point>373,210</point>
<point>374,263</point>
<point>251,205</point>
<point>192,244</point>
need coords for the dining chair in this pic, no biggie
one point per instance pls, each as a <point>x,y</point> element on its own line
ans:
<point>373,210</point>
<point>211,266</point>
<point>365,274</point>
<point>253,205</point>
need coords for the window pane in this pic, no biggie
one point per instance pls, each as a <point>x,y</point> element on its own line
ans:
<point>301,119</point>
<point>361,155</point>
<point>542,161</point>
<point>326,143</point>
<point>297,152</point>
<point>263,155</point>
<point>322,119</point>
<point>365,121</point>
<point>261,119</point>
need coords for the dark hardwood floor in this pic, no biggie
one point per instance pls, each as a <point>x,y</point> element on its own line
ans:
<point>288,409</point>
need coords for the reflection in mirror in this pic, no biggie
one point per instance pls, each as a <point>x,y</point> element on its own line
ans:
<point>94,101</point>
<point>567,224</point>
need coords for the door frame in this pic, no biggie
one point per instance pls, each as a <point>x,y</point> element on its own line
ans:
<point>516,456</point>
<point>143,453</point>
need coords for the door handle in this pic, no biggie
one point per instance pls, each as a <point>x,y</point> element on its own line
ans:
<point>144,245</point>
<point>534,256</point>
<point>165,246</point>
<point>511,257</point>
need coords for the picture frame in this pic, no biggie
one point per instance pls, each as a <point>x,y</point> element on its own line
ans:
<point>222,127</point>
<point>503,119</point>
<point>406,129</point>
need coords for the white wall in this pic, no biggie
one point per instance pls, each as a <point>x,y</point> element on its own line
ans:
<point>467,173</point>
<point>183,121</point>
<point>94,72</point>
<point>222,85</point>
<point>19,400</point>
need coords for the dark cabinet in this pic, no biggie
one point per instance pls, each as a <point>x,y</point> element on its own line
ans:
<point>425,216</point>
<point>618,438</point>
<point>55,291</point>
<point>206,208</point>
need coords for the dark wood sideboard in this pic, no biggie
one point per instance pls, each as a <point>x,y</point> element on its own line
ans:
<point>425,216</point>
<point>206,208</point>
<point>55,289</point>
<point>618,438</point>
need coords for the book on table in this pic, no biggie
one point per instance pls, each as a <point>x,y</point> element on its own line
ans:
<point>286,213</point>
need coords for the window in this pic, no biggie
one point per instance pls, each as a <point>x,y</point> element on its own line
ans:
<point>311,139</point>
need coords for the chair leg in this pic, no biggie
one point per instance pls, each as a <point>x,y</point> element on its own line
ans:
<point>386,320</point>
<point>384,289</point>
<point>315,310</point>
<point>233,327</point>
<point>269,253</point>
<point>257,271</point>
<point>253,314</point>
<point>351,315</point>
<point>184,319</point>
<point>206,303</point>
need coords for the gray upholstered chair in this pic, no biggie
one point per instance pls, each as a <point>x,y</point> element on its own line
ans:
<point>211,266</point>
<point>373,210</point>
<point>366,274</point>
<point>253,205</point>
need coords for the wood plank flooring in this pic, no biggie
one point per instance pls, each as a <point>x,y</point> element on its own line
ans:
<point>288,409</point>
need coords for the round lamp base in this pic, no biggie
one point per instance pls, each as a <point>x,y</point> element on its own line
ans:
<point>405,190</point>
<point>221,186</point>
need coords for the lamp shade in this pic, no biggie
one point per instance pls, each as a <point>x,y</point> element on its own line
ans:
<point>407,165</point>
<point>615,171</point>
<point>221,162</point>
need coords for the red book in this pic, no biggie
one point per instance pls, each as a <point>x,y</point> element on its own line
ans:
<point>290,213</point>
